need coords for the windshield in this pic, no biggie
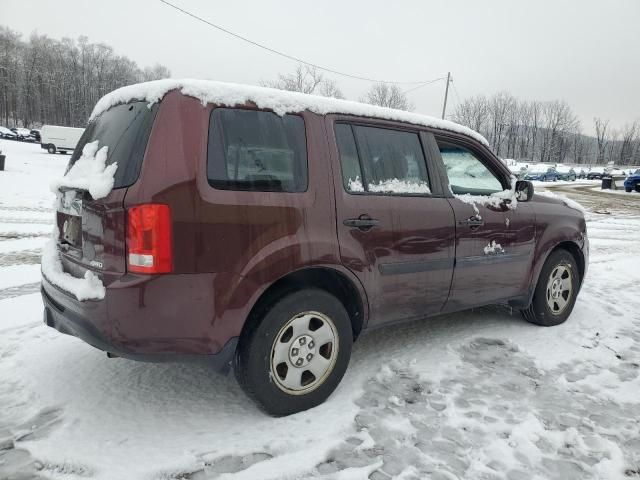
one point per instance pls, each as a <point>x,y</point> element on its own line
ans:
<point>125,130</point>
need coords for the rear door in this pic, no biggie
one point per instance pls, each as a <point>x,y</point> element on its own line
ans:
<point>91,231</point>
<point>395,228</point>
<point>494,242</point>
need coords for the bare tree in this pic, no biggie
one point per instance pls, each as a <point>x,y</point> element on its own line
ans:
<point>305,79</point>
<point>385,95</point>
<point>472,112</point>
<point>601,137</point>
<point>43,80</point>
<point>630,136</point>
<point>157,72</point>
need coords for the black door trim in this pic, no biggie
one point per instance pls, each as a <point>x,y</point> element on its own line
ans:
<point>415,267</point>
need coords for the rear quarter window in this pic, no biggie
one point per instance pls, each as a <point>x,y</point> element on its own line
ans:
<point>256,151</point>
<point>125,130</point>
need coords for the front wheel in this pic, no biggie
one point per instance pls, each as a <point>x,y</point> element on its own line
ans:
<point>556,291</point>
<point>294,352</point>
<point>51,149</point>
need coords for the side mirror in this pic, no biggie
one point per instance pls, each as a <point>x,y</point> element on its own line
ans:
<point>524,190</point>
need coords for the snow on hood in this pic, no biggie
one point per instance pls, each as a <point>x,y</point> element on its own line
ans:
<point>90,172</point>
<point>280,101</point>
<point>89,287</point>
<point>567,201</point>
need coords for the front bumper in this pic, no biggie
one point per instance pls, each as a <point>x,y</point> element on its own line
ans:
<point>89,322</point>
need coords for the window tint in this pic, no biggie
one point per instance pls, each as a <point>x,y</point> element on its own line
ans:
<point>260,151</point>
<point>393,161</point>
<point>125,130</point>
<point>467,174</point>
<point>351,171</point>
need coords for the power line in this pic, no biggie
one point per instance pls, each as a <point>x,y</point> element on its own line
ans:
<point>424,84</point>
<point>290,57</point>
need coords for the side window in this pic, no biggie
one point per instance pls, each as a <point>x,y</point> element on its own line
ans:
<point>351,171</point>
<point>466,173</point>
<point>391,161</point>
<point>258,151</point>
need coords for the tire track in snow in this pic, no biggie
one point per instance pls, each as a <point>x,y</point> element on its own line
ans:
<point>19,290</point>
<point>21,257</point>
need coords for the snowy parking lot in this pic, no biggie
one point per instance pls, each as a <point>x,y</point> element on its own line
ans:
<point>475,395</point>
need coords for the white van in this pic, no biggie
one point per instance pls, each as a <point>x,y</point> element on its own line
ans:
<point>59,139</point>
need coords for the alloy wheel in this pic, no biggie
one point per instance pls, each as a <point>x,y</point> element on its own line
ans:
<point>559,289</point>
<point>304,353</point>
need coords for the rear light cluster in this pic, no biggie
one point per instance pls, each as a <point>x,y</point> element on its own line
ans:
<point>149,239</point>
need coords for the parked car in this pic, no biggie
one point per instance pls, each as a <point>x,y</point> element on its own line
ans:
<point>35,133</point>
<point>582,173</point>
<point>566,173</point>
<point>8,134</point>
<point>55,138</point>
<point>272,241</point>
<point>615,172</point>
<point>542,173</point>
<point>632,182</point>
<point>595,173</point>
<point>23,134</point>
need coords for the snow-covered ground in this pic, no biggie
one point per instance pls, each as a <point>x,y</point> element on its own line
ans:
<point>476,395</point>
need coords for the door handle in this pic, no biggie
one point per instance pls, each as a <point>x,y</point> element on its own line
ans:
<point>473,222</point>
<point>363,222</point>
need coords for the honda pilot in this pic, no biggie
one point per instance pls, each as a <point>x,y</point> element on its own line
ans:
<point>268,230</point>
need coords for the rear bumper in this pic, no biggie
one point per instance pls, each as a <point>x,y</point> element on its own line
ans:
<point>89,322</point>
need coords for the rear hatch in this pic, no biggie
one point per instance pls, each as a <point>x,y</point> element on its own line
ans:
<point>91,232</point>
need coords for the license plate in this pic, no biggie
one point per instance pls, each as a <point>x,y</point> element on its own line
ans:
<point>70,203</point>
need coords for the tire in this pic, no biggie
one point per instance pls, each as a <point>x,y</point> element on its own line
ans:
<point>51,148</point>
<point>628,189</point>
<point>637,187</point>
<point>540,311</point>
<point>276,330</point>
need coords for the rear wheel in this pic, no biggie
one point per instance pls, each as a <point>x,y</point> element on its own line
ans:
<point>51,148</point>
<point>637,187</point>
<point>295,352</point>
<point>556,291</point>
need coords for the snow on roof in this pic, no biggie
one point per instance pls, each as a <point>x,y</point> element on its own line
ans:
<point>280,101</point>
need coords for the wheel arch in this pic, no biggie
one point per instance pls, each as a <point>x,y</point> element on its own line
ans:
<point>570,246</point>
<point>329,279</point>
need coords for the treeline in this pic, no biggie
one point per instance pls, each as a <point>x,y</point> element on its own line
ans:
<point>48,81</point>
<point>546,131</point>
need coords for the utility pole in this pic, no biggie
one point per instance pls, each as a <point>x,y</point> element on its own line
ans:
<point>446,94</point>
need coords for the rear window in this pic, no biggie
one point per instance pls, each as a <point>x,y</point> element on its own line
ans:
<point>257,151</point>
<point>125,130</point>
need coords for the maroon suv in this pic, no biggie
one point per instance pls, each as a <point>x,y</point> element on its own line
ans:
<point>267,230</point>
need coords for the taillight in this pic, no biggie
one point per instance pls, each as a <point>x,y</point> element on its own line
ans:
<point>149,239</point>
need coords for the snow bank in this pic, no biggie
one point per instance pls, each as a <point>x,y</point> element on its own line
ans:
<point>88,288</point>
<point>280,101</point>
<point>90,172</point>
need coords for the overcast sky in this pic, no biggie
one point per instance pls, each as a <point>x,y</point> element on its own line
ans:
<point>585,52</point>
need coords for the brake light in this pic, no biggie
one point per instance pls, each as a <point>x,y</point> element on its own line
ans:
<point>149,239</point>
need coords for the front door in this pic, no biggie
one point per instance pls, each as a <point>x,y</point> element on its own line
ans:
<point>395,233</point>
<point>494,241</point>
